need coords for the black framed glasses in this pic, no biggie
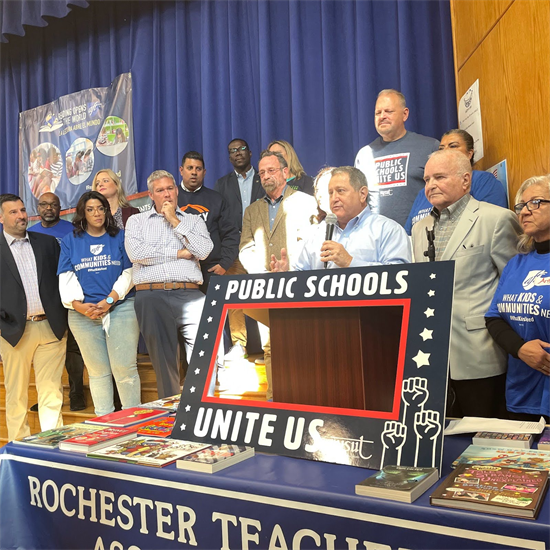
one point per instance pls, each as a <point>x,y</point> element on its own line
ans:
<point>533,204</point>
<point>234,150</point>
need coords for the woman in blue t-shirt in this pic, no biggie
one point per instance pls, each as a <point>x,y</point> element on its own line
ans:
<point>95,283</point>
<point>519,316</point>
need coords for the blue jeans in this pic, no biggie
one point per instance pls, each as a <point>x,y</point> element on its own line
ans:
<point>115,354</point>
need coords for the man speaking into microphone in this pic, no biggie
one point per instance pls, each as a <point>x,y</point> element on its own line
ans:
<point>352,235</point>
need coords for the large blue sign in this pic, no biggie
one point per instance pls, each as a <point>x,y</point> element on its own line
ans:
<point>408,431</point>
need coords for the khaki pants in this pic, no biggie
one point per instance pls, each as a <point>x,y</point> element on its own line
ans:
<point>237,323</point>
<point>40,347</point>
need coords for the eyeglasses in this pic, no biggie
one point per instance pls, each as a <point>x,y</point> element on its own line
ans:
<point>52,205</point>
<point>100,209</point>
<point>533,204</point>
<point>269,172</point>
<point>237,149</point>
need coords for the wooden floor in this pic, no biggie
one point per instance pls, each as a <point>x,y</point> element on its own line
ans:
<point>237,380</point>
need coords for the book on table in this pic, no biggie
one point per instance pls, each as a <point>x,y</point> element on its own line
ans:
<point>98,439</point>
<point>501,490</point>
<point>401,483</point>
<point>52,438</point>
<point>164,403</point>
<point>215,458</point>
<point>504,456</point>
<point>161,427</point>
<point>127,417</point>
<point>494,439</point>
<point>148,451</point>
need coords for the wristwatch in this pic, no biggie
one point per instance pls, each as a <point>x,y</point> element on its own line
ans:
<point>110,300</point>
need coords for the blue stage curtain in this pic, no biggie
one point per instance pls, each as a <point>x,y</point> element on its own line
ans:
<point>206,71</point>
<point>16,13</point>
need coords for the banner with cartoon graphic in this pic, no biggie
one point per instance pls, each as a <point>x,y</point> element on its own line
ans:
<point>63,144</point>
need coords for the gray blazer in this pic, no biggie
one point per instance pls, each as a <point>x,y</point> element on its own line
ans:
<point>483,242</point>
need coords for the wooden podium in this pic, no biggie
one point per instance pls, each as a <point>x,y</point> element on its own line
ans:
<point>342,357</point>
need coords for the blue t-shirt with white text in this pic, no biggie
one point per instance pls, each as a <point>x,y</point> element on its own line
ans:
<point>97,262</point>
<point>522,299</point>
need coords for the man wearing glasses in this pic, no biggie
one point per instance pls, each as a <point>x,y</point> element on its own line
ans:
<point>481,238</point>
<point>240,188</point>
<point>280,220</point>
<point>49,209</point>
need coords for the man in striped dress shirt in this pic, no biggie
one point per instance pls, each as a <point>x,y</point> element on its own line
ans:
<point>165,246</point>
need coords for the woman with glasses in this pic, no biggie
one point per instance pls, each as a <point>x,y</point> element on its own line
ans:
<point>519,316</point>
<point>297,179</point>
<point>109,185</point>
<point>485,187</point>
<point>95,283</point>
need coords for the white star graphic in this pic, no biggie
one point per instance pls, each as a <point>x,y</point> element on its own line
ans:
<point>197,371</point>
<point>213,302</point>
<point>422,359</point>
<point>187,408</point>
<point>205,335</point>
<point>429,312</point>
<point>426,334</point>
<point>432,276</point>
<point>209,319</point>
<point>217,287</point>
<point>201,353</point>
<point>182,427</point>
<point>192,389</point>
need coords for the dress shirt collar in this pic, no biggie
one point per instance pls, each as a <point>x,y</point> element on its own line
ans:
<point>453,211</point>
<point>152,212</point>
<point>189,190</point>
<point>365,213</point>
<point>10,239</point>
<point>248,174</point>
<point>270,202</point>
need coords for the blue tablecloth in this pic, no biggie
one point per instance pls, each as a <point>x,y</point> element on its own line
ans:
<point>51,499</point>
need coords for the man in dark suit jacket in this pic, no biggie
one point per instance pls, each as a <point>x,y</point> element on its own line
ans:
<point>33,321</point>
<point>240,188</point>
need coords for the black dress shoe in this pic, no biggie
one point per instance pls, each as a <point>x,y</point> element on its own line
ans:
<point>78,403</point>
<point>34,408</point>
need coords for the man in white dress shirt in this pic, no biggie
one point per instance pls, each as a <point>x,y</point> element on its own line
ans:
<point>165,246</point>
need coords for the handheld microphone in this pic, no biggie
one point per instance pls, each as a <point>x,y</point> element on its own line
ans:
<point>330,220</point>
<point>430,253</point>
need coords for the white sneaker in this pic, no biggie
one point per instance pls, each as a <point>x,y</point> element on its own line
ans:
<point>260,361</point>
<point>236,353</point>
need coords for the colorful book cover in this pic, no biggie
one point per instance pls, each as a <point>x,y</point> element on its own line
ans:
<point>162,427</point>
<point>96,440</point>
<point>493,489</point>
<point>504,456</point>
<point>215,458</point>
<point>403,483</point>
<point>544,440</point>
<point>148,451</point>
<point>165,403</point>
<point>52,438</point>
<point>127,417</point>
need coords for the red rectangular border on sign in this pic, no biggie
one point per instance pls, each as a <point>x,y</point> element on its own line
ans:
<point>391,415</point>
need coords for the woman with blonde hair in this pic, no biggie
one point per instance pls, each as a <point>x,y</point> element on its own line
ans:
<point>298,178</point>
<point>519,316</point>
<point>109,185</point>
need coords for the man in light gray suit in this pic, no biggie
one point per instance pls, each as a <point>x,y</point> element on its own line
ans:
<point>480,238</point>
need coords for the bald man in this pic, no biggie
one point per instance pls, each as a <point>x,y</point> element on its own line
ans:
<point>49,208</point>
